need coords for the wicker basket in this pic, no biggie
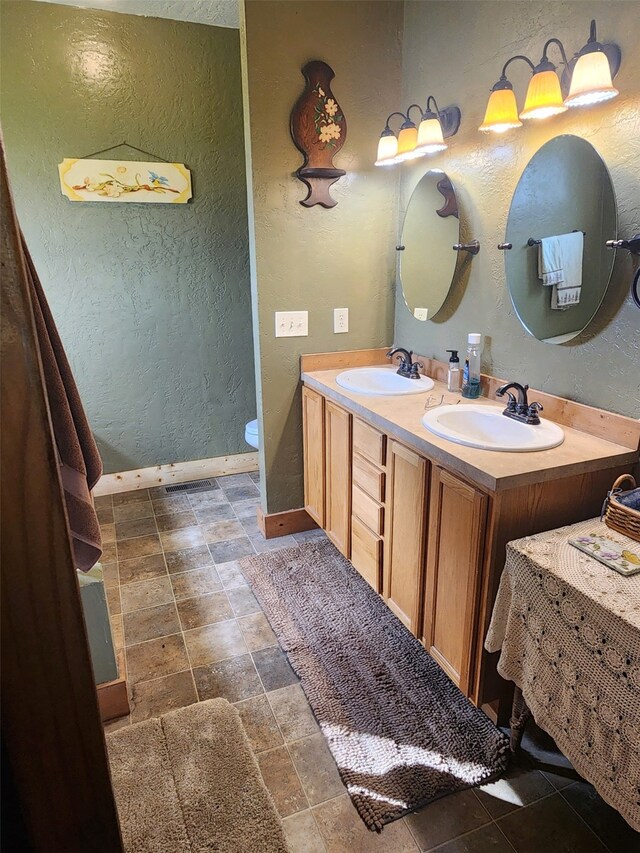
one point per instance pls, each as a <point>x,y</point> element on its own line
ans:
<point>619,517</point>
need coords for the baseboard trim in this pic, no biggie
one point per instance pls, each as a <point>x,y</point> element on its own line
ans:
<point>176,472</point>
<point>277,524</point>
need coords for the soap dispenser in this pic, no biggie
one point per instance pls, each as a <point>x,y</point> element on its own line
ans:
<point>471,377</point>
<point>453,376</point>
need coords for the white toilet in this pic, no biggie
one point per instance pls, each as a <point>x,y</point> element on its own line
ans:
<point>251,434</point>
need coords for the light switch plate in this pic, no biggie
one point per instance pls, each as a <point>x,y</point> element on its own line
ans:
<point>340,320</point>
<point>292,324</point>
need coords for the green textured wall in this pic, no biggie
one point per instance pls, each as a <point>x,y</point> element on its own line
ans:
<point>152,302</point>
<point>458,57</point>
<point>316,259</point>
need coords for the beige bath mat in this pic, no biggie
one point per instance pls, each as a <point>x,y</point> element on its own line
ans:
<point>188,782</point>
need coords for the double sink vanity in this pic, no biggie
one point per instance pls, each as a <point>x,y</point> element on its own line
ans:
<point>421,490</point>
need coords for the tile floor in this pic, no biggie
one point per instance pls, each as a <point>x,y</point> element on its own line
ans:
<point>191,629</point>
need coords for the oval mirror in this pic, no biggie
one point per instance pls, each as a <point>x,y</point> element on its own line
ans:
<point>557,286</point>
<point>427,262</point>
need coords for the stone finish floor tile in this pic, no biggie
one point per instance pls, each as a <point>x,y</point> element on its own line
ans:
<point>131,511</point>
<point>281,779</point>
<point>610,827</point>
<point>447,818</point>
<point>302,834</point>
<point>487,839</point>
<point>142,569</point>
<point>257,631</point>
<point>176,520</point>
<point>221,531</point>
<point>155,658</point>
<point>141,546</point>
<point>232,549</point>
<point>259,723</point>
<point>316,768</point>
<point>215,512</point>
<point>293,712</point>
<point>133,496</point>
<point>194,583</point>
<point>204,610</point>
<point>179,540</point>
<point>243,601</point>
<point>553,823</point>
<point>343,831</point>
<point>234,680</point>
<point>231,575</point>
<point>170,504</point>
<point>518,787</point>
<point>214,643</point>
<point>274,668</point>
<point>153,698</point>
<point>188,559</point>
<point>151,593</point>
<point>134,528</point>
<point>152,622</point>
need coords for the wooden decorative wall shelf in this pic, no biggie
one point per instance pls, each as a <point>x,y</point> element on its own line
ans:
<point>319,130</point>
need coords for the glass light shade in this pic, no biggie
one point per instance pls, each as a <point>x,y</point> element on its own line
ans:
<point>407,139</point>
<point>387,150</point>
<point>591,80</point>
<point>544,96</point>
<point>502,112</point>
<point>430,138</point>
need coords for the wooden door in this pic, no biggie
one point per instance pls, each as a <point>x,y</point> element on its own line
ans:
<point>404,535</point>
<point>56,788</point>
<point>337,430</point>
<point>454,562</point>
<point>314,468</point>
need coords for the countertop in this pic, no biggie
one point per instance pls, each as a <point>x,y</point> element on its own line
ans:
<point>401,418</point>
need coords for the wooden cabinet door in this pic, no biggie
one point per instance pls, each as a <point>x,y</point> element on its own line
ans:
<point>404,534</point>
<point>454,563</point>
<point>337,431</point>
<point>313,440</point>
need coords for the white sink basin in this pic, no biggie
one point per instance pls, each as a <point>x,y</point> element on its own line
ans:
<point>381,381</point>
<point>487,428</point>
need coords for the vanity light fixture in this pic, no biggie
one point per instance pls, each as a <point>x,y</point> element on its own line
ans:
<point>502,110</point>
<point>595,66</point>
<point>588,76</point>
<point>416,141</point>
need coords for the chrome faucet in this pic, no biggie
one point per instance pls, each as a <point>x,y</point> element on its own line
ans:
<point>520,409</point>
<point>408,368</point>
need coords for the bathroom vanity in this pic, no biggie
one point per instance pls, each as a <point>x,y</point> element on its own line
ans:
<point>425,521</point>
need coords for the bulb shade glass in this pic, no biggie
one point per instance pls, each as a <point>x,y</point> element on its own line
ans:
<point>430,138</point>
<point>544,96</point>
<point>502,112</point>
<point>407,139</point>
<point>387,150</point>
<point>591,80</point>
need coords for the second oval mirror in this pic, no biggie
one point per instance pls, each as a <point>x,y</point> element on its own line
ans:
<point>428,262</point>
<point>562,214</point>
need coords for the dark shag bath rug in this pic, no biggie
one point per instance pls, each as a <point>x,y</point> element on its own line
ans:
<point>400,731</point>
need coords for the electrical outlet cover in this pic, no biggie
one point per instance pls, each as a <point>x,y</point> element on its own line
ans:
<point>340,320</point>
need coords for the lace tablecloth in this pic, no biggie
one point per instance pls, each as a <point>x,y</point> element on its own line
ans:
<point>569,631</point>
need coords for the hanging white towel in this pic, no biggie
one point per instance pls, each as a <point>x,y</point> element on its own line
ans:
<point>561,258</point>
<point>550,261</point>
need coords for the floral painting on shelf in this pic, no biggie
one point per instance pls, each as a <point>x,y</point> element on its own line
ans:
<point>125,180</point>
<point>319,130</point>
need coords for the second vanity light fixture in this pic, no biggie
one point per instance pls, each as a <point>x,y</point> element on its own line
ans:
<point>590,73</point>
<point>413,140</point>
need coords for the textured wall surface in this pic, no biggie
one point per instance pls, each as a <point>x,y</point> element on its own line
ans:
<point>317,259</point>
<point>152,301</point>
<point>217,13</point>
<point>458,57</point>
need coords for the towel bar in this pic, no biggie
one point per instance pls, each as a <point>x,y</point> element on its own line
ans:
<point>535,241</point>
<point>632,245</point>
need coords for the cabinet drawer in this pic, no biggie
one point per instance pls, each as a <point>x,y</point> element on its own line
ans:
<point>368,477</point>
<point>366,553</point>
<point>368,510</point>
<point>369,442</point>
